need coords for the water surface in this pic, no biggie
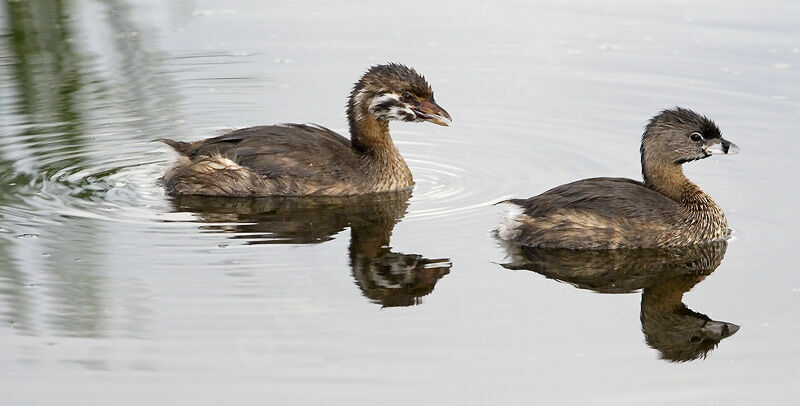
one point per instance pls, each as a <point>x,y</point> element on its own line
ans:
<point>111,290</point>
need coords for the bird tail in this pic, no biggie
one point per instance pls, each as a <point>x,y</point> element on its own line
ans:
<point>179,146</point>
<point>518,202</point>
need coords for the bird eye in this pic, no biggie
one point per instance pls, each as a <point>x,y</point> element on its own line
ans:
<point>696,137</point>
<point>407,96</point>
<point>696,339</point>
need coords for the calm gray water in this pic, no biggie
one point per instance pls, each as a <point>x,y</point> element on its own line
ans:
<point>112,293</point>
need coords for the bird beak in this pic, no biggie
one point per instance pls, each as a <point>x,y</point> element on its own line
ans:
<point>720,329</point>
<point>717,146</point>
<point>428,110</point>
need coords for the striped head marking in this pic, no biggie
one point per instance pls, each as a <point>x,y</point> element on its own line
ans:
<point>396,92</point>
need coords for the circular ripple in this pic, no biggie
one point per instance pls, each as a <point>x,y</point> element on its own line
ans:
<point>455,175</point>
<point>464,172</point>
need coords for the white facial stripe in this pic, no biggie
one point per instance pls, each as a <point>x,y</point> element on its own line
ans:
<point>359,99</point>
<point>382,99</point>
<point>399,113</point>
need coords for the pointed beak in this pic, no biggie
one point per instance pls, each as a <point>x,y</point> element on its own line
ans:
<point>428,110</point>
<point>720,329</point>
<point>720,146</point>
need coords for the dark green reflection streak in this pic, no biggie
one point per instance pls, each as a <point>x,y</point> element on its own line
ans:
<point>48,74</point>
<point>64,104</point>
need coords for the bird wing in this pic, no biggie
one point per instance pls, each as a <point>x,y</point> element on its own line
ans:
<point>597,213</point>
<point>612,197</point>
<point>606,197</point>
<point>288,150</point>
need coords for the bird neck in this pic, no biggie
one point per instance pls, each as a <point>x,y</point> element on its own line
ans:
<point>371,229</point>
<point>370,240</point>
<point>370,137</point>
<point>667,295</point>
<point>668,179</point>
<point>702,214</point>
<point>368,134</point>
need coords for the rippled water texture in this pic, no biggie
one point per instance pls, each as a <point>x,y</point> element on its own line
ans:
<point>111,292</point>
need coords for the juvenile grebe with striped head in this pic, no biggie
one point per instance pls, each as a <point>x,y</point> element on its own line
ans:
<point>300,160</point>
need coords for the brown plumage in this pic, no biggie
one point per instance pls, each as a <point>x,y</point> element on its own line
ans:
<point>384,276</point>
<point>663,275</point>
<point>665,210</point>
<point>300,160</point>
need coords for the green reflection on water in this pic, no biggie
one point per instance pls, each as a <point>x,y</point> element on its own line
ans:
<point>66,102</point>
<point>48,74</point>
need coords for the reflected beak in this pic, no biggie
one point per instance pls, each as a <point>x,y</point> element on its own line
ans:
<point>428,110</point>
<point>720,146</point>
<point>720,329</point>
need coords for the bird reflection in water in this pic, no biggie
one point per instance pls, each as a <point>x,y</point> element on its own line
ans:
<point>663,275</point>
<point>385,277</point>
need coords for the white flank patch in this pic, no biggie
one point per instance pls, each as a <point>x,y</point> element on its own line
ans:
<point>215,163</point>
<point>228,163</point>
<point>509,226</point>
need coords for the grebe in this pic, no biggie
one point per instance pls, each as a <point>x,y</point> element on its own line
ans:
<point>603,213</point>
<point>301,160</point>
